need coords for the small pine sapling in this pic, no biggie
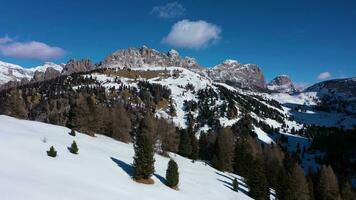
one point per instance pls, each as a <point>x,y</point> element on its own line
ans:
<point>52,152</point>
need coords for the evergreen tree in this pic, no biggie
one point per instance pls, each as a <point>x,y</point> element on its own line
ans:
<point>328,188</point>
<point>224,150</point>
<point>72,133</point>
<point>52,152</point>
<point>257,181</point>
<point>235,185</point>
<point>243,159</point>
<point>172,174</point>
<point>347,193</point>
<point>143,160</point>
<point>195,148</point>
<point>74,148</point>
<point>185,147</point>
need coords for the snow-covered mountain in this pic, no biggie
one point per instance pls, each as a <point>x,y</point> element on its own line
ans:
<point>101,170</point>
<point>339,94</point>
<point>236,74</point>
<point>15,73</point>
<point>230,71</point>
<point>282,83</point>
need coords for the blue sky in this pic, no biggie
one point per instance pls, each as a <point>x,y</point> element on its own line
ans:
<point>299,38</point>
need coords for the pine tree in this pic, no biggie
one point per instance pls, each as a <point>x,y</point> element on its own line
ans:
<point>74,148</point>
<point>257,181</point>
<point>243,159</point>
<point>224,150</point>
<point>328,188</point>
<point>52,152</point>
<point>172,174</point>
<point>185,148</point>
<point>143,160</point>
<point>195,147</point>
<point>72,133</point>
<point>235,185</point>
<point>347,193</point>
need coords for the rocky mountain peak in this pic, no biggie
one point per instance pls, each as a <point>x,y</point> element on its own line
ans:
<point>173,53</point>
<point>73,66</point>
<point>237,74</point>
<point>283,84</point>
<point>146,57</point>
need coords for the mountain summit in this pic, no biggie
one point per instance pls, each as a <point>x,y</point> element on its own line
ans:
<point>283,84</point>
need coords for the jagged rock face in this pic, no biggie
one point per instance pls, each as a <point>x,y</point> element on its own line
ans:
<point>146,57</point>
<point>50,73</point>
<point>74,66</point>
<point>236,74</point>
<point>282,84</point>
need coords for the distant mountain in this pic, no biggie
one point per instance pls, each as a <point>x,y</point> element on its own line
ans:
<point>230,71</point>
<point>15,73</point>
<point>236,74</point>
<point>339,94</point>
<point>282,83</point>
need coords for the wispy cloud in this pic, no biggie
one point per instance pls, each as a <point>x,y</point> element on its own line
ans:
<point>5,39</point>
<point>170,10</point>
<point>29,50</point>
<point>301,85</point>
<point>193,34</point>
<point>324,75</point>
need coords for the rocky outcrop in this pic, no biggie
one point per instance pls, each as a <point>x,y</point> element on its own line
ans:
<point>50,73</point>
<point>236,74</point>
<point>146,57</point>
<point>283,84</point>
<point>231,72</point>
<point>74,66</point>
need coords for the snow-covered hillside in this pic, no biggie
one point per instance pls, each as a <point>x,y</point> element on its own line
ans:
<point>101,170</point>
<point>12,72</point>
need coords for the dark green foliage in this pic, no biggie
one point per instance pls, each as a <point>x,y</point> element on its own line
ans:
<point>172,174</point>
<point>185,147</point>
<point>195,148</point>
<point>74,148</point>
<point>224,150</point>
<point>52,152</point>
<point>72,133</point>
<point>243,159</point>
<point>143,160</point>
<point>235,185</point>
<point>257,181</point>
<point>347,192</point>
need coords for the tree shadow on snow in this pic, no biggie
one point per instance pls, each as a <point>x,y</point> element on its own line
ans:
<point>126,167</point>
<point>160,178</point>
<point>228,184</point>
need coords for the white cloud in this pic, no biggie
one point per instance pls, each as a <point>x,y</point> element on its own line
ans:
<point>324,75</point>
<point>170,10</point>
<point>29,50</point>
<point>193,34</point>
<point>5,39</point>
<point>301,86</point>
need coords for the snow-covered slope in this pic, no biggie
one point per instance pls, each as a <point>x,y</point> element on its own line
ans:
<point>101,170</point>
<point>11,72</point>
